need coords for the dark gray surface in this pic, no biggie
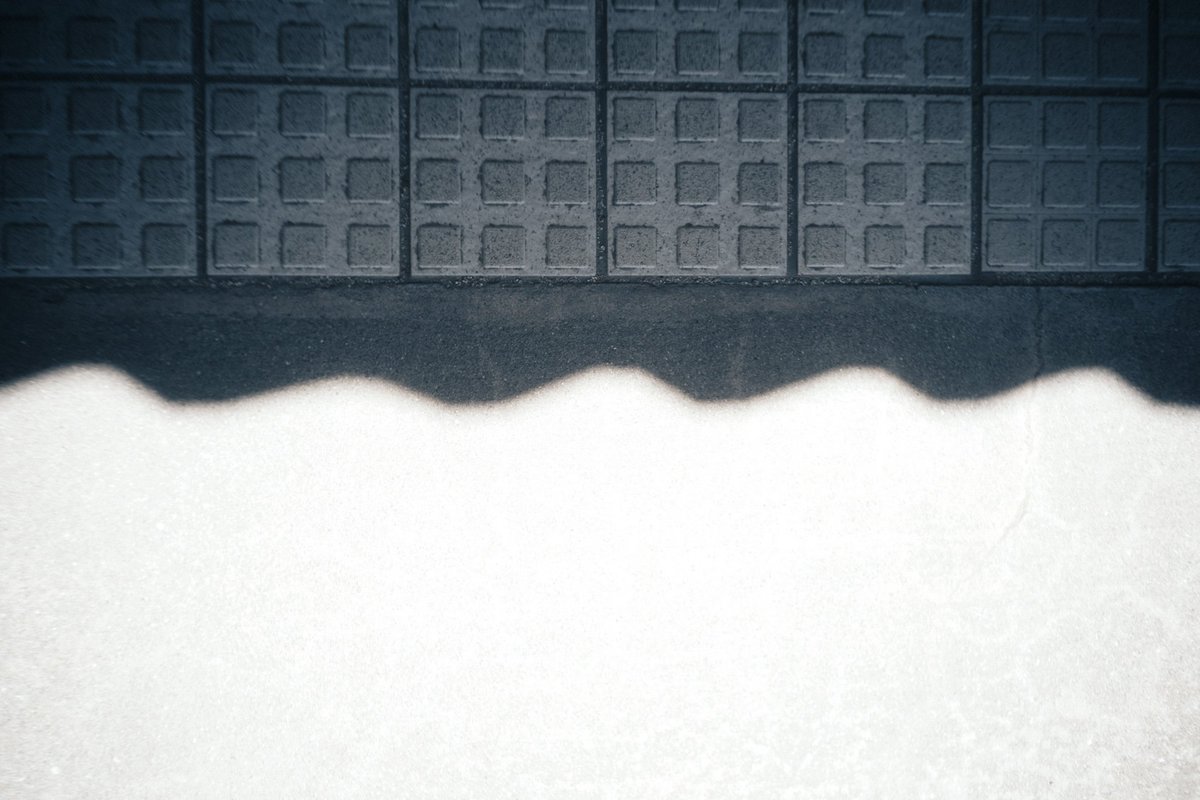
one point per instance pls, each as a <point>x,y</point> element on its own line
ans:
<point>481,343</point>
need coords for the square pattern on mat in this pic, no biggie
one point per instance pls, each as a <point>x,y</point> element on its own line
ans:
<point>697,184</point>
<point>1179,184</point>
<point>302,180</point>
<point>1065,42</point>
<point>348,38</point>
<point>1064,184</point>
<point>504,40</point>
<point>901,42</point>
<point>90,36</point>
<point>503,182</point>
<point>735,41</point>
<point>884,184</point>
<point>97,179</point>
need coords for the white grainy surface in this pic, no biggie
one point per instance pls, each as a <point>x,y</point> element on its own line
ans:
<point>600,590</point>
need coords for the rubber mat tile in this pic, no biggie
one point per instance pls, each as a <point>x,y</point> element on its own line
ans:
<point>1065,42</point>
<point>302,180</point>
<point>90,36</point>
<point>884,184</point>
<point>697,184</point>
<point>1179,185</point>
<point>503,182</point>
<point>736,41</point>
<point>1064,184</point>
<point>334,39</point>
<point>1179,47</point>
<point>97,178</point>
<point>911,43</point>
<point>504,40</point>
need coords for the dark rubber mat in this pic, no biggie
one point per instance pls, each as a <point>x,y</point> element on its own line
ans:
<point>1047,141</point>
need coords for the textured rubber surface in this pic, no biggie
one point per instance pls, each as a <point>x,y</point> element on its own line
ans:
<point>890,140</point>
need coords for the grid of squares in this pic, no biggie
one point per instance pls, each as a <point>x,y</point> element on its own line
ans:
<point>698,40</point>
<point>697,183</point>
<point>1065,42</point>
<point>82,36</point>
<point>96,179</point>
<point>1064,184</point>
<point>884,184</point>
<point>503,183</point>
<point>913,42</point>
<point>355,38</point>
<point>544,40</point>
<point>1179,184</point>
<point>302,180</point>
<point>883,178</point>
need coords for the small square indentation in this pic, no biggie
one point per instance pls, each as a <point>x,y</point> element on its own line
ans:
<point>95,179</point>
<point>92,40</point>
<point>567,247</point>
<point>1064,243</point>
<point>234,112</point>
<point>824,55</point>
<point>945,246</point>
<point>634,183</point>
<point>697,53</point>
<point>634,52</point>
<point>568,118</point>
<point>1009,184</point>
<point>697,184</point>
<point>760,184</point>
<point>1065,56</point>
<point>824,183</point>
<point>1181,184</point>
<point>438,181</point>
<point>94,111</point>
<point>696,120</point>
<point>302,180</point>
<point>1120,184</point>
<point>760,121</point>
<point>883,57</point>
<point>21,40</point>
<point>96,246</point>
<point>944,57</point>
<point>945,184</point>
<point>438,117</point>
<point>302,246</point>
<point>884,184</point>
<point>23,110</point>
<point>235,245</point>
<point>368,47</point>
<point>166,247</point>
<point>885,121</point>
<point>1119,243</point>
<point>1010,124</point>
<point>369,180</point>
<point>760,54</point>
<point>945,121</point>
<point>503,247</point>
<point>437,50</point>
<point>302,114</point>
<point>1181,244</point>
<point>369,115</point>
<point>760,247</point>
<point>1066,125</point>
<point>159,41</point>
<point>502,182</point>
<point>633,118</point>
<point>884,246</point>
<point>635,246</point>
<point>234,179</point>
<point>825,120</point>
<point>369,247</point>
<point>502,117</point>
<point>26,246</point>
<point>1009,243</point>
<point>1123,126</point>
<point>502,51</point>
<point>301,44</point>
<point>231,43</point>
<point>824,246</point>
<point>164,179</point>
<point>1011,55</point>
<point>161,111</point>
<point>567,53</point>
<point>24,177</point>
<point>1065,184</point>
<point>1121,58</point>
<point>567,182</point>
<point>439,246</point>
<point>697,247</point>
